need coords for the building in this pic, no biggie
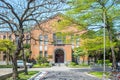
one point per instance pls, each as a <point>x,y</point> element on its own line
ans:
<point>47,41</point>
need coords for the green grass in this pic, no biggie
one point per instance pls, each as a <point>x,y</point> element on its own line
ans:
<point>25,77</point>
<point>98,74</point>
<point>22,76</point>
<point>5,66</point>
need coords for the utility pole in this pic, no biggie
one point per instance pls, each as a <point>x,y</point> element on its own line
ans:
<point>104,42</point>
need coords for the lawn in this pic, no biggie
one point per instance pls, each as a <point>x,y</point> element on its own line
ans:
<point>98,74</point>
<point>5,66</point>
<point>22,76</point>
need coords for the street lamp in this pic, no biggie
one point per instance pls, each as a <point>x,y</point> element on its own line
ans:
<point>104,41</point>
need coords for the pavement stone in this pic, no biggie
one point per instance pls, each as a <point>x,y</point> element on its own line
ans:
<point>67,75</point>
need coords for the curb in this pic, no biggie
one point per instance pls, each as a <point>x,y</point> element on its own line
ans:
<point>39,76</point>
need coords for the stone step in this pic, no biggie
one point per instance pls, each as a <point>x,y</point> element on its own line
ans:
<point>60,64</point>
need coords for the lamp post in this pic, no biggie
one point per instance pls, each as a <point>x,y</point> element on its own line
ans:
<point>104,42</point>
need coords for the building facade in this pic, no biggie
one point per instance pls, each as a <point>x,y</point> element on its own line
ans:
<point>46,42</point>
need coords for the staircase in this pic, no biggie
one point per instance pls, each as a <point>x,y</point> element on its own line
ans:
<point>60,64</point>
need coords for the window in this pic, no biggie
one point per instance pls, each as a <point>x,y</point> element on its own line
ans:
<point>41,53</point>
<point>78,41</point>
<point>45,48</point>
<point>41,48</point>
<point>10,37</point>
<point>41,39</point>
<point>27,39</point>
<point>45,39</point>
<point>58,39</point>
<point>4,37</point>
<point>45,55</point>
<point>72,39</point>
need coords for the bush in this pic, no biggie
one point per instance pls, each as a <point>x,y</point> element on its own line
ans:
<point>107,62</point>
<point>46,64</point>
<point>72,64</point>
<point>41,60</point>
<point>101,62</point>
<point>83,64</point>
<point>41,65</point>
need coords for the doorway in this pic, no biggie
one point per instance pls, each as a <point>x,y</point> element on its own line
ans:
<point>59,56</point>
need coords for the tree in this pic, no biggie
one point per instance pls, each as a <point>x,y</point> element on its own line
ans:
<point>8,47</point>
<point>97,14</point>
<point>18,14</point>
<point>25,55</point>
<point>79,52</point>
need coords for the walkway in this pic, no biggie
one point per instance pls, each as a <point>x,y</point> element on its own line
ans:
<point>65,73</point>
<point>4,71</point>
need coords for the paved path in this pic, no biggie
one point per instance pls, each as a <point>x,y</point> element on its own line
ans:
<point>4,71</point>
<point>65,73</point>
<point>59,73</point>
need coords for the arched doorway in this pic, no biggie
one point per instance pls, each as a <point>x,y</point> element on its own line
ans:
<point>59,56</point>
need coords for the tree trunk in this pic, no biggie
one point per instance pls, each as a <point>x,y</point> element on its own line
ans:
<point>7,57</point>
<point>83,59</point>
<point>118,54</point>
<point>24,60</point>
<point>14,63</point>
<point>15,55</point>
<point>112,50</point>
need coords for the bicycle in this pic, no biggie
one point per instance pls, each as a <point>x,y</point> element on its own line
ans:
<point>113,75</point>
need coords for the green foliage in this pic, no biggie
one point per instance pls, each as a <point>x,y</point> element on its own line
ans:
<point>43,65</point>
<point>27,46</point>
<point>7,45</point>
<point>97,74</point>
<point>96,44</point>
<point>22,76</point>
<point>72,64</point>
<point>41,60</point>
<point>100,61</point>
<point>79,52</point>
<point>107,62</point>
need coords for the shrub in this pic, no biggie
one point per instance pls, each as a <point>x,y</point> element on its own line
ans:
<point>107,62</point>
<point>72,64</point>
<point>46,64</point>
<point>101,62</point>
<point>41,65</point>
<point>41,60</point>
